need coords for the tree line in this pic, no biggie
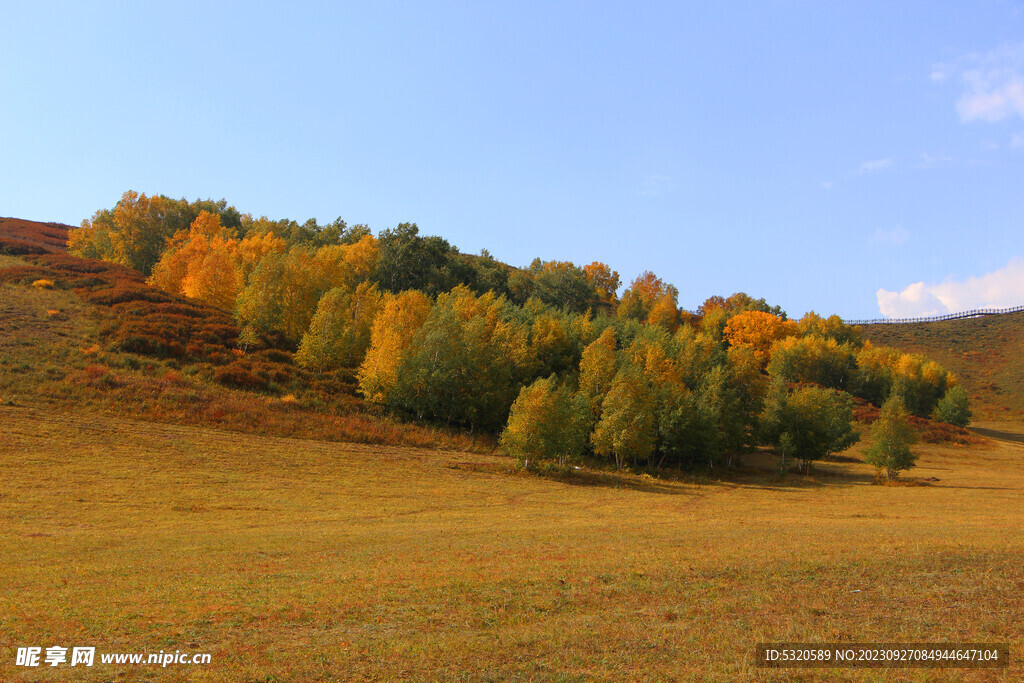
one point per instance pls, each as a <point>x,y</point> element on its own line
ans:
<point>550,356</point>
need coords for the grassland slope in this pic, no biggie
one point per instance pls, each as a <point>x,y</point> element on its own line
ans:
<point>986,353</point>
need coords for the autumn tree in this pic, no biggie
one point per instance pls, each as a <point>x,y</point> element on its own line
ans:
<point>340,331</point>
<point>135,232</point>
<point>462,364</point>
<point>544,424</point>
<point>203,262</point>
<point>398,320</point>
<point>665,313</point>
<point>807,424</point>
<point>644,292</point>
<point>282,294</point>
<point>757,331</point>
<point>813,359</point>
<point>891,439</point>
<point>831,327</point>
<point>603,280</point>
<point>598,367</point>
<point>882,371</point>
<point>626,431</point>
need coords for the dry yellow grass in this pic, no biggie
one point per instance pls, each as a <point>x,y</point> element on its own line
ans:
<point>300,560</point>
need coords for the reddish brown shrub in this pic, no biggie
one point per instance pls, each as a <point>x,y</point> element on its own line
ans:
<point>21,237</point>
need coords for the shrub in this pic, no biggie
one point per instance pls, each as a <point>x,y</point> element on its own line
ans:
<point>953,408</point>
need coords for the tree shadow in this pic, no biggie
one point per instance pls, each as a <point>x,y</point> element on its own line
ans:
<point>998,434</point>
<point>622,480</point>
<point>688,483</point>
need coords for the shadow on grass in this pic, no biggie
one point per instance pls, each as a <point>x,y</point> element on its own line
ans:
<point>1000,435</point>
<point>625,480</point>
<point>680,482</point>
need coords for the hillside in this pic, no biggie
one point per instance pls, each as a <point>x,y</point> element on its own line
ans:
<point>91,336</point>
<point>19,236</point>
<point>986,353</point>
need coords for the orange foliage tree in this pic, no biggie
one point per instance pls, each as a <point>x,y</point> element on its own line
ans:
<point>603,279</point>
<point>757,331</point>
<point>644,293</point>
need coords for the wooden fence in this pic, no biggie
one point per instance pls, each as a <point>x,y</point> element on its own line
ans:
<point>975,313</point>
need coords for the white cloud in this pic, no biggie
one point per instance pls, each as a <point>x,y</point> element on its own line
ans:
<point>992,103</point>
<point>655,185</point>
<point>999,289</point>
<point>1017,141</point>
<point>932,160</point>
<point>895,237</point>
<point>993,84</point>
<point>827,184</point>
<point>874,165</point>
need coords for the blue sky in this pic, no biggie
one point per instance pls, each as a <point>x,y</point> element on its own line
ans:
<point>845,157</point>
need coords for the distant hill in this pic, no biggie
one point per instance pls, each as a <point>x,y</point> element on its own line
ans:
<point>986,353</point>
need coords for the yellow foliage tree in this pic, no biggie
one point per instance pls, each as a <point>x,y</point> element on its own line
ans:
<point>398,320</point>
<point>603,279</point>
<point>339,333</point>
<point>214,277</point>
<point>597,370</point>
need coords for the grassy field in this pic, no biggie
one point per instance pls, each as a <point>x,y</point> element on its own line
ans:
<point>985,353</point>
<point>289,559</point>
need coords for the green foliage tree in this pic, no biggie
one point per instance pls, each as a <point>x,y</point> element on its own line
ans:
<point>627,429</point>
<point>339,333</point>
<point>814,359</point>
<point>408,260</point>
<point>466,364</point>
<point>891,439</point>
<point>807,424</point>
<point>486,274</point>
<point>953,408</point>
<point>544,424</point>
<point>562,284</point>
